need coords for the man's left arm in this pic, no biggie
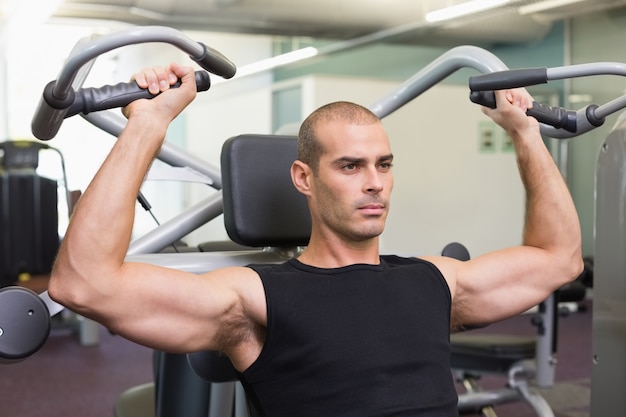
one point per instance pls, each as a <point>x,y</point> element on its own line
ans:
<point>507,282</point>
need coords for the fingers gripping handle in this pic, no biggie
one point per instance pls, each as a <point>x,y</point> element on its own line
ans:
<point>482,87</point>
<point>52,111</point>
<point>557,117</point>
<point>89,100</point>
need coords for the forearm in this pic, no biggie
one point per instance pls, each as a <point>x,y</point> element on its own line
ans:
<point>552,238</point>
<point>551,221</point>
<point>550,212</point>
<point>90,264</point>
<point>514,279</point>
<point>99,232</point>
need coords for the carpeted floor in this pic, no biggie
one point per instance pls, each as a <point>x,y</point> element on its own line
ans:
<point>67,379</point>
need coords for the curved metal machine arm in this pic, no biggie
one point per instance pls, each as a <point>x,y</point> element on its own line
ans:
<point>565,123</point>
<point>446,64</point>
<point>59,95</point>
<point>556,122</point>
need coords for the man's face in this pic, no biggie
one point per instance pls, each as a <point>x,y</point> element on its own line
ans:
<point>350,193</point>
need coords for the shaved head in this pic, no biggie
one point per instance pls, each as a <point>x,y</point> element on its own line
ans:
<point>309,147</point>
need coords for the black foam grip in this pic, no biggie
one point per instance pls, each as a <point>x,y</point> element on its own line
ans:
<point>484,98</point>
<point>557,117</point>
<point>119,95</point>
<point>509,79</point>
<point>50,112</point>
<point>213,61</point>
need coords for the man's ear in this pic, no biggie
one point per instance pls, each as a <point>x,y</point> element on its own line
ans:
<point>301,174</point>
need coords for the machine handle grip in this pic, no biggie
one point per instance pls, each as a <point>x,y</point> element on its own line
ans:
<point>557,117</point>
<point>89,100</point>
<point>50,112</point>
<point>215,62</point>
<point>515,78</point>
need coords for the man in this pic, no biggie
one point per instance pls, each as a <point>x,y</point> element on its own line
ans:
<point>342,330</point>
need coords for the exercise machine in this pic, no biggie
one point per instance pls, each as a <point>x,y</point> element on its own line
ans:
<point>30,240</point>
<point>60,95</point>
<point>609,291</point>
<point>29,212</point>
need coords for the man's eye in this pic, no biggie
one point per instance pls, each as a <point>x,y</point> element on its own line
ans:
<point>349,167</point>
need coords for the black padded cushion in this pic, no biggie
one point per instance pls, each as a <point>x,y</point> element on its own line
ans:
<point>489,352</point>
<point>261,205</point>
<point>212,366</point>
<point>457,251</point>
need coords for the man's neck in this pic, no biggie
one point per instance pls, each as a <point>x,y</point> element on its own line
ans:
<point>325,254</point>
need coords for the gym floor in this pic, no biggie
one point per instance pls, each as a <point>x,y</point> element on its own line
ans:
<point>66,379</point>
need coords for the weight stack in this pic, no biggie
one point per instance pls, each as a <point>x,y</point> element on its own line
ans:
<point>28,224</point>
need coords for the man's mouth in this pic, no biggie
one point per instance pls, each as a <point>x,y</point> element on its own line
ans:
<point>372,209</point>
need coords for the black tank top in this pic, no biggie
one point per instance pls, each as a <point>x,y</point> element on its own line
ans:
<point>362,340</point>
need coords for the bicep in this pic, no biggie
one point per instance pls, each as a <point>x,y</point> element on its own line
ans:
<point>499,284</point>
<point>170,310</point>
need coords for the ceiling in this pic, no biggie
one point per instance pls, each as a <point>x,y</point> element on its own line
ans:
<point>393,20</point>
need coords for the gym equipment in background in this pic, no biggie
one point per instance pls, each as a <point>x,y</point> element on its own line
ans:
<point>28,212</point>
<point>29,220</point>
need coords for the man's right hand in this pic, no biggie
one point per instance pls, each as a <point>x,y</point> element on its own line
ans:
<point>166,106</point>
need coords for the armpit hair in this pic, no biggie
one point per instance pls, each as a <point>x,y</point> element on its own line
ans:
<point>458,318</point>
<point>236,329</point>
<point>456,323</point>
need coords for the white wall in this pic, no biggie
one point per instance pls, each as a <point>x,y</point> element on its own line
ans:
<point>228,108</point>
<point>445,188</point>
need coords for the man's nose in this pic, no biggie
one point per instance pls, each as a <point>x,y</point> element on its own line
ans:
<point>373,182</point>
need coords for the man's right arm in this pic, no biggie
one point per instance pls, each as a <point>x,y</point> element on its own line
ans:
<point>158,307</point>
